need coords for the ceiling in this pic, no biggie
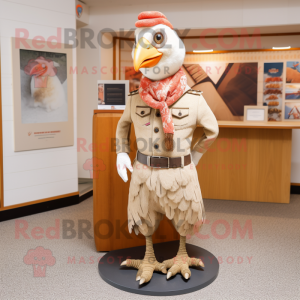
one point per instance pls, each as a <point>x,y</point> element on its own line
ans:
<point>105,3</point>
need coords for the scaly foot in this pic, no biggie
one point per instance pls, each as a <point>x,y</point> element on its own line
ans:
<point>182,262</point>
<point>148,265</point>
<point>145,267</point>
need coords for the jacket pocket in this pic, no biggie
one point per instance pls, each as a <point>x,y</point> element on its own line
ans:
<point>180,117</point>
<point>143,115</point>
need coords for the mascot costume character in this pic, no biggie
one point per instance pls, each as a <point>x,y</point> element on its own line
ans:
<point>165,113</point>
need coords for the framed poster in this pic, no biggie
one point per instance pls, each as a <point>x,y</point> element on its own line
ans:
<point>42,95</point>
<point>112,94</point>
<point>227,86</point>
<point>273,89</point>
<point>292,111</point>
<point>293,72</point>
<point>292,88</point>
<point>292,92</point>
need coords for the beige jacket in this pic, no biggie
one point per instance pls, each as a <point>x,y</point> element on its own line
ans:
<point>188,112</point>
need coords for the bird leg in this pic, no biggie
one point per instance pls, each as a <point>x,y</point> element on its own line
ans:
<point>181,262</point>
<point>148,265</point>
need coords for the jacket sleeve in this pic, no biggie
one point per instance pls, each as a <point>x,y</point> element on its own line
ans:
<point>123,130</point>
<point>207,119</point>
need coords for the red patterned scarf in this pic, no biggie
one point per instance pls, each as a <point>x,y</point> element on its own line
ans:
<point>160,95</point>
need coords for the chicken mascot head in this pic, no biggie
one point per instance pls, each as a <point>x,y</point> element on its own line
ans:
<point>165,113</point>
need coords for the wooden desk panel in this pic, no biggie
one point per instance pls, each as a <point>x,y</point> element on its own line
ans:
<point>247,164</point>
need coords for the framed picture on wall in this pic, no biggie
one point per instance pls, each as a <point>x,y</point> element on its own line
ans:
<point>112,94</point>
<point>292,88</point>
<point>292,92</point>
<point>293,71</point>
<point>42,95</point>
<point>227,86</point>
<point>292,111</point>
<point>273,89</point>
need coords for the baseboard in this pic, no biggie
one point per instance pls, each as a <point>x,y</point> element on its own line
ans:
<point>86,196</point>
<point>32,209</point>
<point>295,189</point>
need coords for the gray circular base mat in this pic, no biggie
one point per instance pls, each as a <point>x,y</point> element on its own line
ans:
<point>123,277</point>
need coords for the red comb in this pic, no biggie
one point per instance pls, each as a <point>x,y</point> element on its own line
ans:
<point>151,18</point>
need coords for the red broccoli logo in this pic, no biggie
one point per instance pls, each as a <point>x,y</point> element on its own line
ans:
<point>94,165</point>
<point>39,258</point>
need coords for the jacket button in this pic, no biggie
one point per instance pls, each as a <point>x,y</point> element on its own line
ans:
<point>156,130</point>
<point>179,114</point>
<point>142,112</point>
<point>156,146</point>
<point>158,114</point>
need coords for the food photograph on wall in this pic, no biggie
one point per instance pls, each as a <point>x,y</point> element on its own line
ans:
<point>273,87</point>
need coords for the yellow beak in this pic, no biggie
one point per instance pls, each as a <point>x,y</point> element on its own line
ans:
<point>145,55</point>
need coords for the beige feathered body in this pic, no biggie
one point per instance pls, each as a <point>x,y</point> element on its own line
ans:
<point>154,193</point>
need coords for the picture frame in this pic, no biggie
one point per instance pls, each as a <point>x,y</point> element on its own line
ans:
<point>273,89</point>
<point>292,111</point>
<point>43,108</point>
<point>255,113</point>
<point>112,94</point>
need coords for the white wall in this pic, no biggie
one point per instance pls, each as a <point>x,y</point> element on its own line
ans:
<point>93,64</point>
<point>87,58</point>
<point>37,174</point>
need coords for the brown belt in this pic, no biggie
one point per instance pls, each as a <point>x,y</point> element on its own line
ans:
<point>163,162</point>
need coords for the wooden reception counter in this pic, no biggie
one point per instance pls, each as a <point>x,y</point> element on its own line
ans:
<point>250,161</point>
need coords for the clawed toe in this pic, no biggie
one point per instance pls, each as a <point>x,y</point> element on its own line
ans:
<point>145,267</point>
<point>181,263</point>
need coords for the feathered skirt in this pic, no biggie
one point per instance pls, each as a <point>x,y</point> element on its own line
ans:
<point>154,193</point>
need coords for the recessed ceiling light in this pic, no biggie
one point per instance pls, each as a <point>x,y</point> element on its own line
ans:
<point>201,51</point>
<point>281,48</point>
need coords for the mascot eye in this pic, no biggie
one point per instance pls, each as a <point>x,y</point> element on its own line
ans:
<point>158,38</point>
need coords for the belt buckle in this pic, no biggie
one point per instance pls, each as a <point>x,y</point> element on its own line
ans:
<point>182,161</point>
<point>149,161</point>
